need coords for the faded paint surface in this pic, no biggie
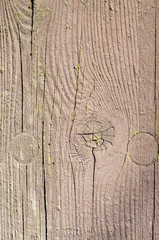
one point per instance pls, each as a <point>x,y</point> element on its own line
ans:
<point>79,132</point>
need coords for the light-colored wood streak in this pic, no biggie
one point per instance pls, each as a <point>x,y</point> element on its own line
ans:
<point>78,81</point>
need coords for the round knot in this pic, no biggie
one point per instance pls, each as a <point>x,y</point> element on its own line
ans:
<point>143,149</point>
<point>24,148</point>
<point>96,135</point>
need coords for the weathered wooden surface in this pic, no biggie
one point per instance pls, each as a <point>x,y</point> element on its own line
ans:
<point>79,89</point>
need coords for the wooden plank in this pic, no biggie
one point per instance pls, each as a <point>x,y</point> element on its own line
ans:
<point>134,191</point>
<point>147,111</point>
<point>22,166</point>
<point>12,210</point>
<point>77,99</point>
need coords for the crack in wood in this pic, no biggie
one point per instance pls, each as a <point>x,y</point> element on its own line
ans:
<point>22,80</point>
<point>93,189</point>
<point>93,135</point>
<point>112,40</point>
<point>44,177</point>
<point>97,135</point>
<point>32,26</point>
<point>76,93</point>
<point>75,192</point>
<point>73,119</point>
<point>23,224</point>
<point>43,137</point>
<point>43,148</point>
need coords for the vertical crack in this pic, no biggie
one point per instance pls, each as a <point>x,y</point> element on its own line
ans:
<point>22,81</point>
<point>76,93</point>
<point>93,182</point>
<point>44,177</point>
<point>43,130</point>
<point>43,149</point>
<point>74,184</point>
<point>23,227</point>
<point>73,120</point>
<point>26,170</point>
<point>31,48</point>
<point>32,25</point>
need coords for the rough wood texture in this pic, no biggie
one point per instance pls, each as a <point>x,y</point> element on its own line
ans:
<point>79,94</point>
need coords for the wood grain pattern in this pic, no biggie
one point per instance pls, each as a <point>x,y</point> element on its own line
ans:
<point>156,230</point>
<point>78,88</point>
